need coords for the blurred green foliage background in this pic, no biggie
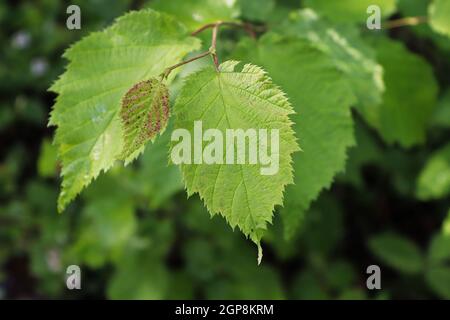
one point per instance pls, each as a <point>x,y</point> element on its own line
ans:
<point>136,236</point>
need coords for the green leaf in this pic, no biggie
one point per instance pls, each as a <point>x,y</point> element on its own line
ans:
<point>350,11</point>
<point>196,13</point>
<point>397,252</point>
<point>244,98</point>
<point>434,179</point>
<point>410,96</point>
<point>439,250</point>
<point>47,162</point>
<point>349,53</point>
<point>439,278</point>
<point>322,98</point>
<point>102,67</point>
<point>439,15</point>
<point>446,225</point>
<point>441,115</point>
<point>144,114</point>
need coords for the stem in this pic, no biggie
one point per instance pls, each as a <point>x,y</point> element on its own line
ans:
<point>166,72</point>
<point>205,27</point>
<point>409,21</point>
<point>213,49</point>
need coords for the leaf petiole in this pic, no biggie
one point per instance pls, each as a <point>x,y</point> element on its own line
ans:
<point>166,72</point>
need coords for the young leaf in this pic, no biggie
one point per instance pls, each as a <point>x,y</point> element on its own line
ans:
<point>439,15</point>
<point>144,114</point>
<point>237,98</point>
<point>102,67</point>
<point>322,98</point>
<point>398,252</point>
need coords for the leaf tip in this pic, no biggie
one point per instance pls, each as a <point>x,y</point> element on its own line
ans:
<point>260,253</point>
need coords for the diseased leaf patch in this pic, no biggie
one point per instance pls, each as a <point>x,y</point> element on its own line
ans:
<point>144,114</point>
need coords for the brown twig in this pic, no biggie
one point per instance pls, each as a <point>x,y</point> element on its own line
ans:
<point>409,21</point>
<point>203,28</point>
<point>213,49</point>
